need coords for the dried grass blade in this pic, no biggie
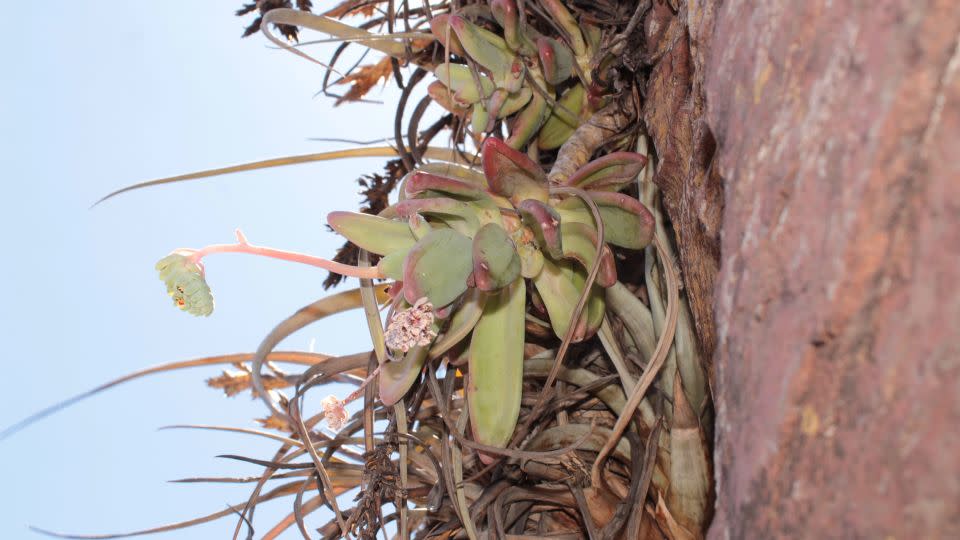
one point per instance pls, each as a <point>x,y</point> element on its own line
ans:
<point>301,358</point>
<point>440,154</point>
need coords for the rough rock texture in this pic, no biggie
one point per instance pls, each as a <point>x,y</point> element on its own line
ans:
<point>675,115</point>
<point>838,358</point>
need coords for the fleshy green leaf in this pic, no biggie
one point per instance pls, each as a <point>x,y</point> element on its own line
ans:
<point>511,173</point>
<point>506,14</point>
<point>626,222</point>
<point>391,265</point>
<point>495,382</point>
<point>372,233</point>
<point>456,214</point>
<point>559,286</point>
<point>556,60</point>
<point>611,172</point>
<point>420,182</point>
<point>544,221</point>
<point>461,323</point>
<point>437,267</point>
<point>512,102</point>
<point>397,377</point>
<point>470,175</point>
<point>461,82</point>
<point>490,51</point>
<point>446,98</point>
<point>496,263</point>
<point>440,27</point>
<point>479,118</point>
<point>528,122</point>
<point>580,243</point>
<point>560,125</point>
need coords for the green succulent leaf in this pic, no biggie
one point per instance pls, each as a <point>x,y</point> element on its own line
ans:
<point>446,98</point>
<point>391,265</point>
<point>396,378</point>
<point>506,14</point>
<point>490,51</point>
<point>419,226</point>
<point>562,16</point>
<point>375,234</point>
<point>421,182</point>
<point>479,118</point>
<point>494,385</point>
<point>544,222</point>
<point>437,267</point>
<point>528,122</point>
<point>560,285</point>
<point>511,173</point>
<point>511,102</point>
<point>460,80</point>
<point>611,172</point>
<point>496,263</point>
<point>626,222</point>
<point>186,283</point>
<point>580,243</point>
<point>457,215</point>
<point>555,59</point>
<point>440,27</point>
<point>560,125</point>
<point>462,322</point>
<point>470,175</point>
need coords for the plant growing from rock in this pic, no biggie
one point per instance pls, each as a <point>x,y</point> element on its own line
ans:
<point>538,372</point>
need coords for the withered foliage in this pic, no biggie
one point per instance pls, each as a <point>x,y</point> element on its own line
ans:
<point>364,78</point>
<point>261,7</point>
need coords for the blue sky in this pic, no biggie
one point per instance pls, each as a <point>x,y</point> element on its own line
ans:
<point>97,95</point>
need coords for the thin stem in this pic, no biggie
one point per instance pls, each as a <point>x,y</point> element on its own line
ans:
<point>243,246</point>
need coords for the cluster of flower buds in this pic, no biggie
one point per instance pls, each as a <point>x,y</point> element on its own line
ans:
<point>412,327</point>
<point>186,283</point>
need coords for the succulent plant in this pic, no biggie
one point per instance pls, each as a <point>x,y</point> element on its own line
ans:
<point>516,72</point>
<point>465,243</point>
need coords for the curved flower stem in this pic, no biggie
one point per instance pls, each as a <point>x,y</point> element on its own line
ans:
<point>243,246</point>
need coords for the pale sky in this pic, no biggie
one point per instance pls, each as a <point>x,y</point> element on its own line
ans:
<point>100,94</point>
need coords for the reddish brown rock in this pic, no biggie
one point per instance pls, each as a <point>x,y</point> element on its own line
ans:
<point>837,304</point>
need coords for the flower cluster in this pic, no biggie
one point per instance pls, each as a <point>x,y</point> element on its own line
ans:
<point>186,283</point>
<point>334,412</point>
<point>411,327</point>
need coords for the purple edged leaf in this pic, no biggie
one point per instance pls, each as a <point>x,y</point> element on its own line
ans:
<point>420,182</point>
<point>397,377</point>
<point>511,173</point>
<point>560,125</point>
<point>437,267</point>
<point>611,172</point>
<point>626,222</point>
<point>440,27</point>
<point>528,121</point>
<point>556,60</point>
<point>496,263</point>
<point>495,379</point>
<point>458,215</point>
<point>373,233</point>
<point>580,243</point>
<point>544,221</point>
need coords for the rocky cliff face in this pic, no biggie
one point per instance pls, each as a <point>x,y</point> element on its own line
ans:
<point>837,364</point>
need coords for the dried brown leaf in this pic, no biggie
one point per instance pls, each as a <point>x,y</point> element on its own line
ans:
<point>364,78</point>
<point>362,8</point>
<point>235,382</point>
